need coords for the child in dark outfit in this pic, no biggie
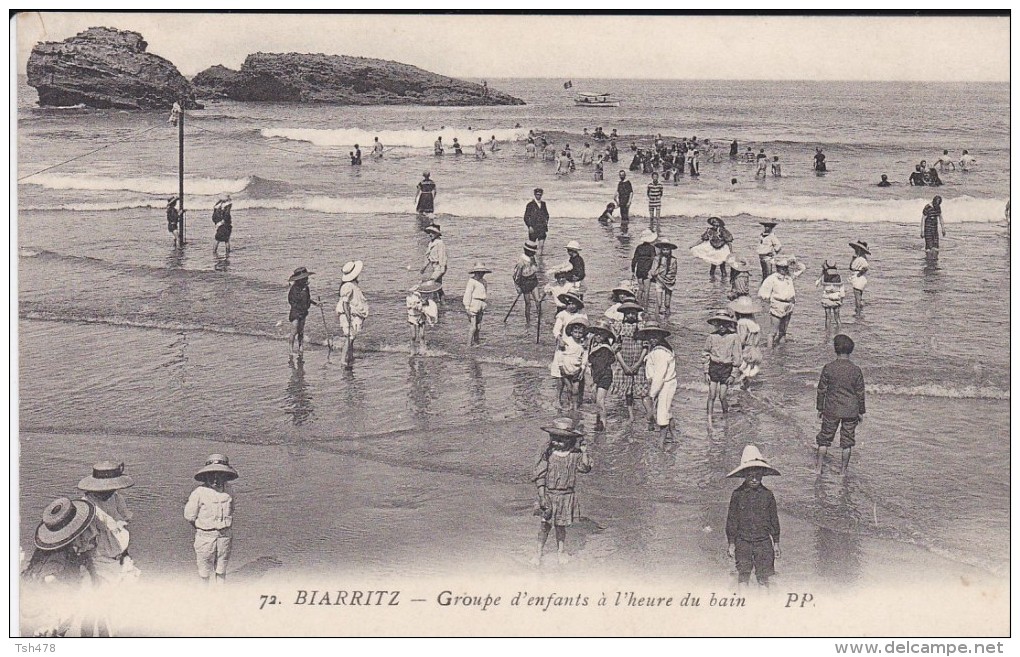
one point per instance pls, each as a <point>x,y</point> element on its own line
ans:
<point>752,523</point>
<point>840,402</point>
<point>602,354</point>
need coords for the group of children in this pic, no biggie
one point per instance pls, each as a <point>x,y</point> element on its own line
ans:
<point>351,309</point>
<point>83,545</point>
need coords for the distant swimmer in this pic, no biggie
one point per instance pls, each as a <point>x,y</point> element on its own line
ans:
<point>425,198</point>
<point>917,178</point>
<point>819,160</point>
<point>762,163</point>
<point>356,155</point>
<point>587,155</point>
<point>479,150</point>
<point>457,150</point>
<point>173,220</point>
<point>885,181</point>
<point>749,156</point>
<point>493,144</point>
<point>945,161</point>
<point>438,146</point>
<point>932,178</point>
<point>377,149</point>
<point>614,152</point>
<point>224,225</point>
<point>734,147</point>
<point>967,161</point>
<point>777,168</point>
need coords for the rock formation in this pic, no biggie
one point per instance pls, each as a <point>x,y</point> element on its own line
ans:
<point>340,80</point>
<point>106,68</point>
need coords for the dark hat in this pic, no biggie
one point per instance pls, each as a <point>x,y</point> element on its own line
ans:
<point>216,463</point>
<point>631,306</point>
<point>603,328</point>
<point>721,317</point>
<point>106,476</point>
<point>663,244</point>
<point>539,190</point>
<point>649,330</point>
<point>713,221</point>
<point>62,522</point>
<point>300,273</point>
<point>860,245</point>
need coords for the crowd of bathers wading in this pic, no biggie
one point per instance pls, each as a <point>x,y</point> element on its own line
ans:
<point>622,357</point>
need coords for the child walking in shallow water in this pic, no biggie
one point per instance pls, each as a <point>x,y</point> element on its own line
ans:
<point>602,355</point>
<point>475,301</point>
<point>721,356</point>
<point>749,337</point>
<point>664,275</point>
<point>555,477</point>
<point>858,274</point>
<point>422,311</point>
<point>573,359</point>
<point>832,293</point>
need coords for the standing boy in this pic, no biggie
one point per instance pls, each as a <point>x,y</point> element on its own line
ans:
<point>351,309</point>
<point>752,523</point>
<point>654,202</point>
<point>840,402</point>
<point>210,510</point>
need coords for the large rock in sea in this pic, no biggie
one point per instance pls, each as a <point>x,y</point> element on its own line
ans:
<point>106,68</point>
<point>340,80</point>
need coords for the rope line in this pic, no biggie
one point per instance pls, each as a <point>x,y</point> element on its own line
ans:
<point>78,157</point>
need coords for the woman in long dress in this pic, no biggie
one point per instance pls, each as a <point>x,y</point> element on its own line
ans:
<point>426,195</point>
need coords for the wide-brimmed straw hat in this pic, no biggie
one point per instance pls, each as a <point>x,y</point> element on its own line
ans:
<point>651,329</point>
<point>722,317</point>
<point>583,321</point>
<point>567,297</point>
<point>429,287</point>
<point>479,268</point>
<point>743,305</point>
<point>769,222</point>
<point>630,305</point>
<point>573,245</point>
<point>739,264</point>
<point>216,463</point>
<point>62,522</point>
<point>752,458</point>
<point>720,222</point>
<point>300,273</point>
<point>781,261</point>
<point>562,428</point>
<point>624,287</point>
<point>351,270</point>
<point>106,475</point>
<point>649,236</point>
<point>433,229</point>
<point>860,245</point>
<point>603,328</point>
<point>663,244</point>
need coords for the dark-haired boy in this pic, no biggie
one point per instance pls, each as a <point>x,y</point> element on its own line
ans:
<point>840,402</point>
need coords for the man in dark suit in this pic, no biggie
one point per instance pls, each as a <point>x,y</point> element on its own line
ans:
<point>536,218</point>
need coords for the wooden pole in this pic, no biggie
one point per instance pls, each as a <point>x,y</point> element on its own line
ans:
<point>180,164</point>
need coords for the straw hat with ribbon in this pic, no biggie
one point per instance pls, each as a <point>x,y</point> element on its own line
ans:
<point>739,264</point>
<point>650,330</point>
<point>479,268</point>
<point>743,305</point>
<point>106,476</point>
<point>716,221</point>
<point>664,244</point>
<point>649,237</point>
<point>434,230</point>
<point>568,297</point>
<point>722,317</point>
<point>62,522</point>
<point>562,428</point>
<point>573,245</point>
<point>351,270</point>
<point>603,328</point>
<point>299,274</point>
<point>216,463</point>
<point>630,306</point>
<point>577,321</point>
<point>752,458</point>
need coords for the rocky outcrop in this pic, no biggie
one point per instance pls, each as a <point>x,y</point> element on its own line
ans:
<point>106,68</point>
<point>340,80</point>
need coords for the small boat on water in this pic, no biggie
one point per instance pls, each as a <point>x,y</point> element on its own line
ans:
<point>595,100</point>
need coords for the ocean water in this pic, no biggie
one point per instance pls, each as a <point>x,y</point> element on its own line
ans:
<point>129,346</point>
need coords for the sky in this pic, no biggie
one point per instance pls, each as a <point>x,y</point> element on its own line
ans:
<point>657,47</point>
